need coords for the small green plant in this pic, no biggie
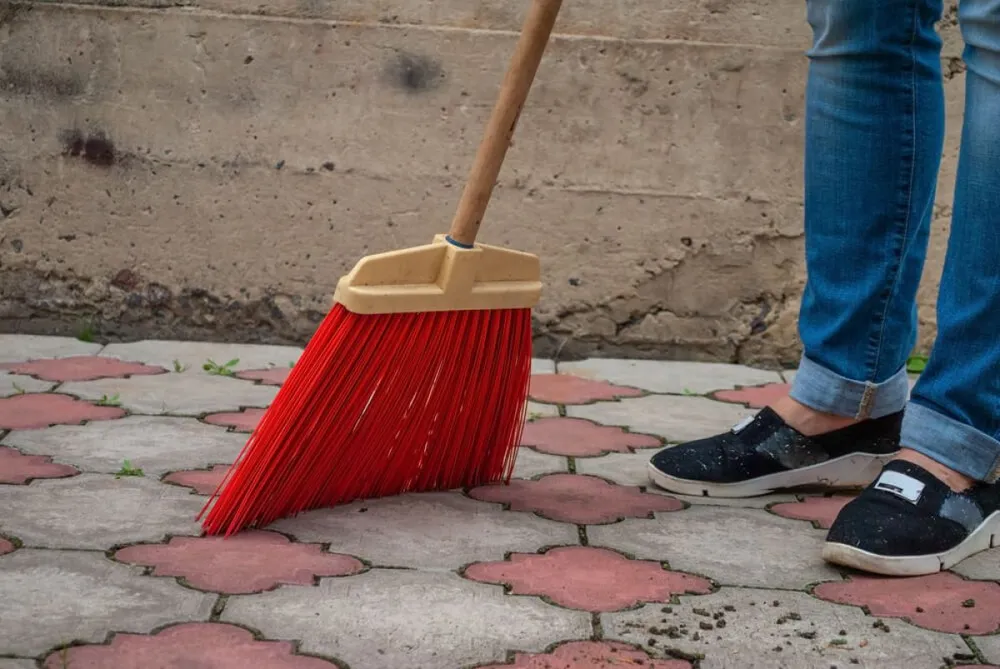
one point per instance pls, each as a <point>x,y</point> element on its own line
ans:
<point>534,415</point>
<point>213,367</point>
<point>128,470</point>
<point>688,391</point>
<point>916,364</point>
<point>113,401</point>
<point>291,364</point>
<point>86,333</point>
<point>64,657</point>
<point>178,367</point>
<point>18,390</point>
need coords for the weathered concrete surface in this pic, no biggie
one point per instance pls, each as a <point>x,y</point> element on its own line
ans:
<point>181,172</point>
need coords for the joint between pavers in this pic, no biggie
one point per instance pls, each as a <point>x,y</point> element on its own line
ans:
<point>970,642</point>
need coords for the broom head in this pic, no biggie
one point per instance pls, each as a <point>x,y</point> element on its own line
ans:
<point>417,380</point>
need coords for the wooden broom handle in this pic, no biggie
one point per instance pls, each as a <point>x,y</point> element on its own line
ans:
<point>500,130</point>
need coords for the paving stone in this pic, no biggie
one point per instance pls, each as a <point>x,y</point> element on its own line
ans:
<point>754,397</point>
<point>82,368</point>
<point>388,619</point>
<point>586,578</point>
<point>192,355</point>
<point>530,464</point>
<point>535,410</point>
<point>676,419</point>
<point>18,348</point>
<point>571,498</point>
<point>18,664</point>
<point>943,602</point>
<point>442,530</point>
<point>989,646</point>
<point>63,596</point>
<point>541,366</point>
<point>207,645</point>
<point>566,389</point>
<point>17,468</point>
<point>201,481</point>
<point>155,444</point>
<point>670,377</point>
<point>983,566</point>
<point>6,546</point>
<point>178,394</point>
<point>821,511</point>
<point>37,411</point>
<point>590,655</point>
<point>271,376</point>
<point>15,384</point>
<point>247,562</point>
<point>578,437</point>
<point>245,420</point>
<point>97,511</point>
<point>802,627</point>
<point>733,546</point>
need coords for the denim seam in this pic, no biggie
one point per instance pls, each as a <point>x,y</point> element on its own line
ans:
<point>898,269</point>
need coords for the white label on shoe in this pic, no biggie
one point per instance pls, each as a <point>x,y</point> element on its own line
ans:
<point>742,425</point>
<point>900,485</point>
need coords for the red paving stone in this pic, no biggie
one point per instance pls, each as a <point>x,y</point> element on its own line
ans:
<point>247,562</point>
<point>82,368</point>
<point>17,468</point>
<point>242,421</point>
<point>202,645</point>
<point>202,481</point>
<point>33,411</point>
<point>6,546</point>
<point>943,602</point>
<point>820,510</point>
<point>590,655</point>
<point>577,437</point>
<point>754,397</point>
<point>572,498</point>
<point>273,376</point>
<point>568,389</point>
<point>588,579</point>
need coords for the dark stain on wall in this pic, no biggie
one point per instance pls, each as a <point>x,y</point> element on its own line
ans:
<point>95,148</point>
<point>19,81</point>
<point>414,73</point>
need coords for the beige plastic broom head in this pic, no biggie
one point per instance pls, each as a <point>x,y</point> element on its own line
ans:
<point>441,277</point>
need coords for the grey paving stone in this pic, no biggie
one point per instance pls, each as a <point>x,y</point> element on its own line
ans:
<point>13,384</point>
<point>176,394</point>
<point>630,469</point>
<point>670,377</point>
<point>530,464</point>
<point>389,619</point>
<point>676,419</point>
<point>17,664</point>
<point>733,546</point>
<point>537,410</point>
<point>541,366</point>
<point>156,444</point>
<point>983,566</point>
<point>54,597</point>
<point>192,355</point>
<point>18,348</point>
<point>430,531</point>
<point>752,633</point>
<point>990,647</point>
<point>97,511</point>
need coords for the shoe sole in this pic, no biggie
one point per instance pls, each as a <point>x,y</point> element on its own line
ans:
<point>986,536</point>
<point>850,471</point>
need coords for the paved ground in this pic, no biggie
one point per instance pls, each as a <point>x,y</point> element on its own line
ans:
<point>577,565</point>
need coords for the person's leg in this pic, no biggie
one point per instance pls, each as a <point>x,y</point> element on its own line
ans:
<point>874,134</point>
<point>908,522</point>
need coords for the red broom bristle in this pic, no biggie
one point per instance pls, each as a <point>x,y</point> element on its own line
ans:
<point>380,405</point>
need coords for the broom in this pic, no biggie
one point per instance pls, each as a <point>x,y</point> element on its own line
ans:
<point>417,379</point>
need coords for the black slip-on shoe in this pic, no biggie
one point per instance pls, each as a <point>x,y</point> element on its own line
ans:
<point>763,454</point>
<point>909,523</point>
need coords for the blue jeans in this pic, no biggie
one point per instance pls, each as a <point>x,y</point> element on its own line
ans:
<point>874,136</point>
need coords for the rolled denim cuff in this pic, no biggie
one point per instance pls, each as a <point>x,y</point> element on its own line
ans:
<point>951,443</point>
<point>823,390</point>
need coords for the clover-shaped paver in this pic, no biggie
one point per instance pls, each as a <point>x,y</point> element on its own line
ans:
<point>568,389</point>
<point>202,481</point>
<point>821,511</point>
<point>247,562</point>
<point>571,498</point>
<point>272,376</point>
<point>581,438</point>
<point>241,421</point>
<point>33,411</point>
<point>754,397</point>
<point>19,469</point>
<point>82,368</point>
<point>590,655</point>
<point>943,602</point>
<point>209,645</point>
<point>588,579</point>
<point>6,546</point>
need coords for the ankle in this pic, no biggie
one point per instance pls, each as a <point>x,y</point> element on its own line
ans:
<point>807,420</point>
<point>954,480</point>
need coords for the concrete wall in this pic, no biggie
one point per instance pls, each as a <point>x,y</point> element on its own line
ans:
<point>209,168</point>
